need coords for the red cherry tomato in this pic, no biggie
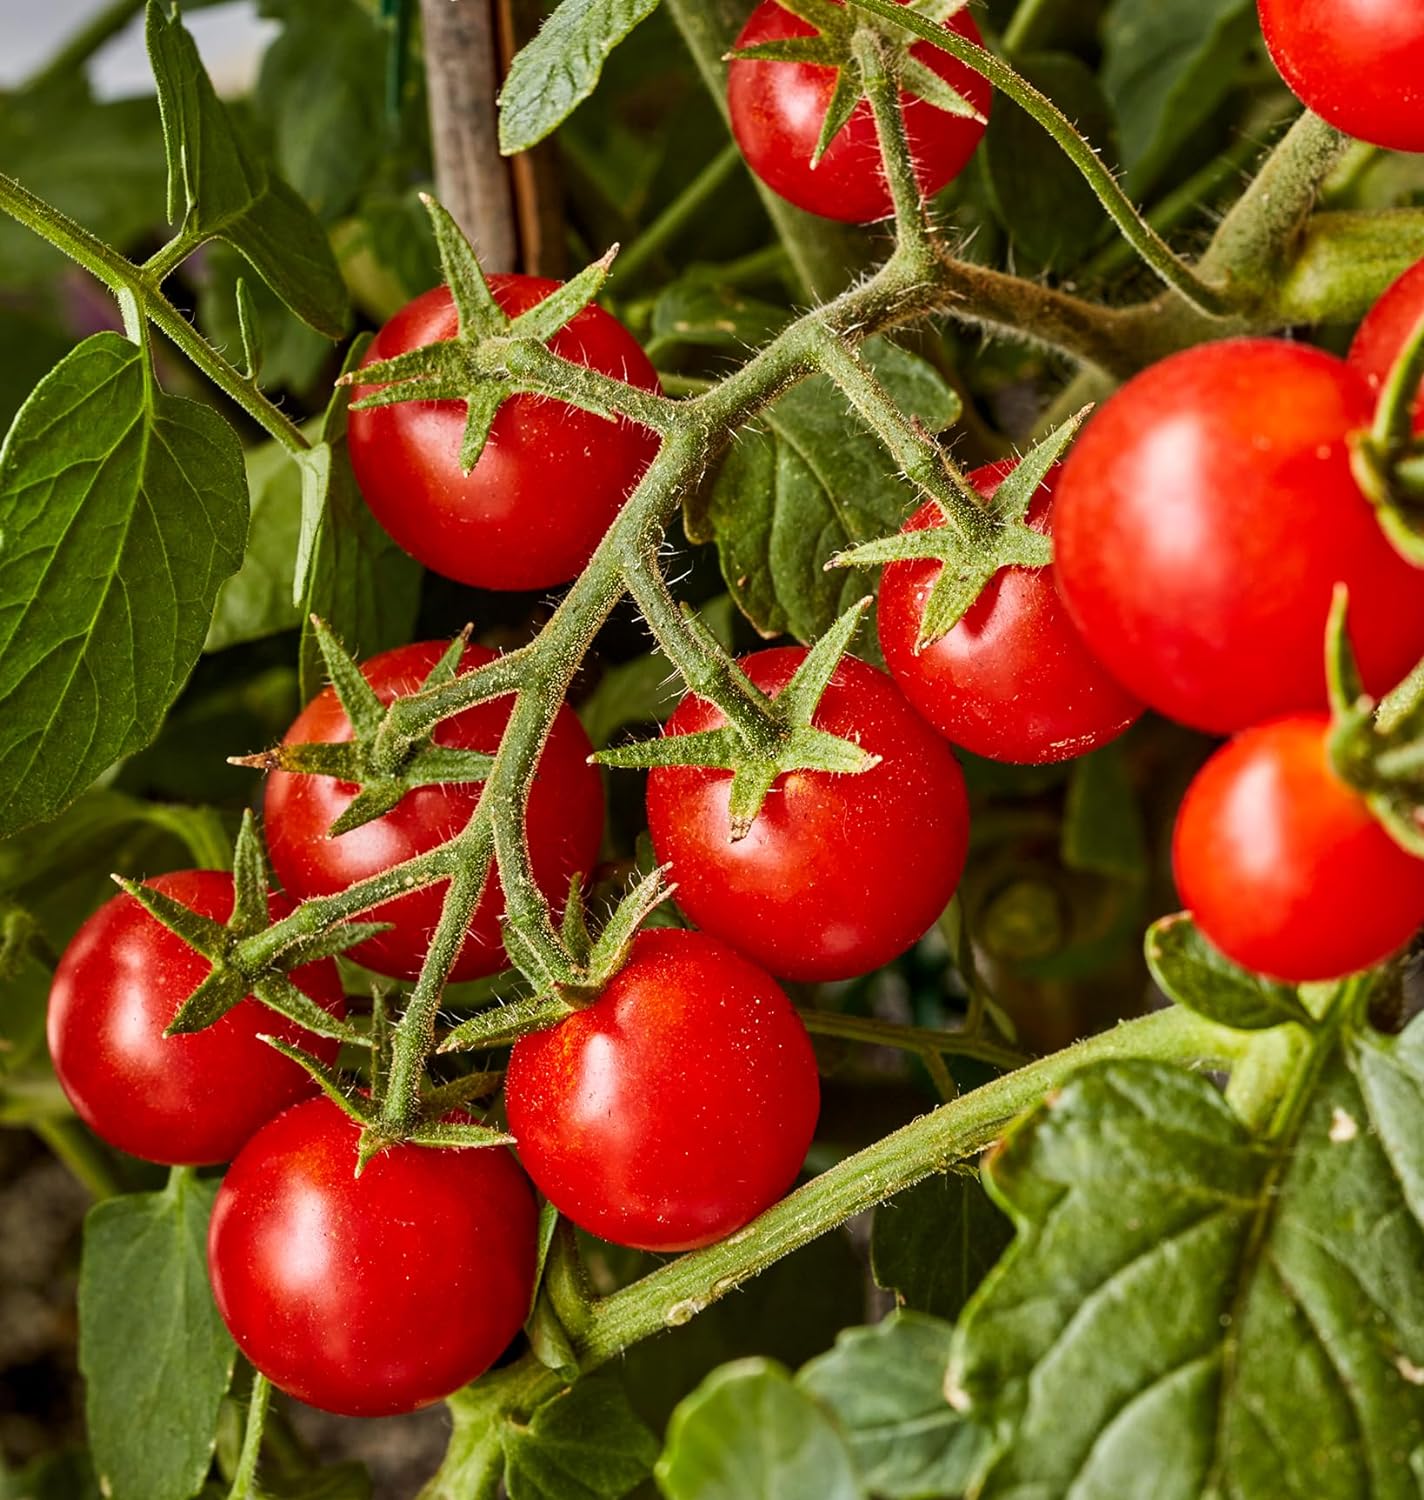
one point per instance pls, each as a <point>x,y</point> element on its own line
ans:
<point>1284,866</point>
<point>565,819</point>
<point>189,1100</point>
<point>1202,521</point>
<point>1357,63</point>
<point>677,1106</point>
<point>1381,337</point>
<point>777,110</point>
<point>1013,680</point>
<point>376,1294</point>
<point>839,874</point>
<point>551,477</point>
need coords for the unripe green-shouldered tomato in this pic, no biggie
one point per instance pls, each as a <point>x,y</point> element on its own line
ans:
<point>551,478</point>
<point>777,109</point>
<point>1203,519</point>
<point>1013,680</point>
<point>1382,335</point>
<point>376,1294</point>
<point>839,873</point>
<point>677,1106</point>
<point>564,821</point>
<point>190,1100</point>
<point>1284,866</point>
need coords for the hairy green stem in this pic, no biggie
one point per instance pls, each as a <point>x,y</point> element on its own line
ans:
<point>244,1481</point>
<point>87,1158</point>
<point>918,1039</point>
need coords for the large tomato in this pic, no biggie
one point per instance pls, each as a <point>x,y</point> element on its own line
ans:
<point>777,110</point>
<point>1013,680</point>
<point>1203,519</point>
<point>1284,866</point>
<point>1385,330</point>
<point>373,1294</point>
<point>840,873</point>
<point>677,1106</point>
<point>565,819</point>
<point>551,477</point>
<point>190,1100</point>
<point>1357,63</point>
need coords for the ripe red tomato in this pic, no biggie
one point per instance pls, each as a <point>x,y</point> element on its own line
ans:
<point>189,1100</point>
<point>1202,521</point>
<point>376,1294</point>
<point>550,480</point>
<point>1381,337</point>
<point>1357,63</point>
<point>677,1106</point>
<point>839,874</point>
<point>778,108</point>
<point>1284,866</point>
<point>1013,680</point>
<point>565,819</point>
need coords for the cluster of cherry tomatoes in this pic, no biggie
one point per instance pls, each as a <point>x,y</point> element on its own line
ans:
<point>1200,525</point>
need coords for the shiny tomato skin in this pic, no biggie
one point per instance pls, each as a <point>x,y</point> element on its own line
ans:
<point>777,109</point>
<point>1013,680</point>
<point>1284,866</point>
<point>839,873</point>
<point>676,1107</point>
<point>373,1295</point>
<point>565,822</point>
<point>1357,63</point>
<point>551,477</point>
<point>181,1101</point>
<point>1386,328</point>
<point>1203,518</point>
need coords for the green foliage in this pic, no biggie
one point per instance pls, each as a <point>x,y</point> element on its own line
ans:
<point>1190,971</point>
<point>123,510</point>
<point>155,1355</point>
<point>1103,831</point>
<point>585,1444</point>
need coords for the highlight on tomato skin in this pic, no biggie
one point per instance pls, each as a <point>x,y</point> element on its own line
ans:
<point>565,818</point>
<point>839,873</point>
<point>677,1106</point>
<point>1014,680</point>
<point>189,1100</point>
<point>777,109</point>
<point>377,1294</point>
<point>1284,867</point>
<point>551,477</point>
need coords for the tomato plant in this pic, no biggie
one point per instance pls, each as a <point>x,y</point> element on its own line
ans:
<point>677,1106</point>
<point>443,1243</point>
<point>188,1100</point>
<point>1013,680</point>
<point>1386,328</point>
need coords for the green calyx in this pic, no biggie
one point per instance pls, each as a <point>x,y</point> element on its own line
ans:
<point>1388,459</point>
<point>764,738</point>
<point>974,540</point>
<point>384,768</point>
<point>833,46</point>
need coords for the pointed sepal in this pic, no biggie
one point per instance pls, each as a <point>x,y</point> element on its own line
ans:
<point>209,938</point>
<point>846,94</point>
<point>223,989</point>
<point>561,307</point>
<point>330,1081</point>
<point>357,696</point>
<point>251,881</point>
<point>479,314</point>
<point>277,992</point>
<point>458,1135</point>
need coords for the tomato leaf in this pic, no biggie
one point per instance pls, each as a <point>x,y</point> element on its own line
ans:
<point>1290,1363</point>
<point>1193,973</point>
<point>1103,830</point>
<point>121,511</point>
<point>154,1353</point>
<point>804,483</point>
<point>585,1444</point>
<point>885,1386</point>
<point>747,1430</point>
<point>558,70</point>
<point>933,1244</point>
<point>219,188</point>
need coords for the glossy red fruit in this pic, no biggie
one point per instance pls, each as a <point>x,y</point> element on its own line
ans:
<point>551,477</point>
<point>183,1101</point>
<point>1013,680</point>
<point>1203,519</point>
<point>1357,63</point>
<point>376,1294</point>
<point>778,108</point>
<point>1380,339</point>
<point>840,873</point>
<point>1283,865</point>
<point>565,818</point>
<point>677,1106</point>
